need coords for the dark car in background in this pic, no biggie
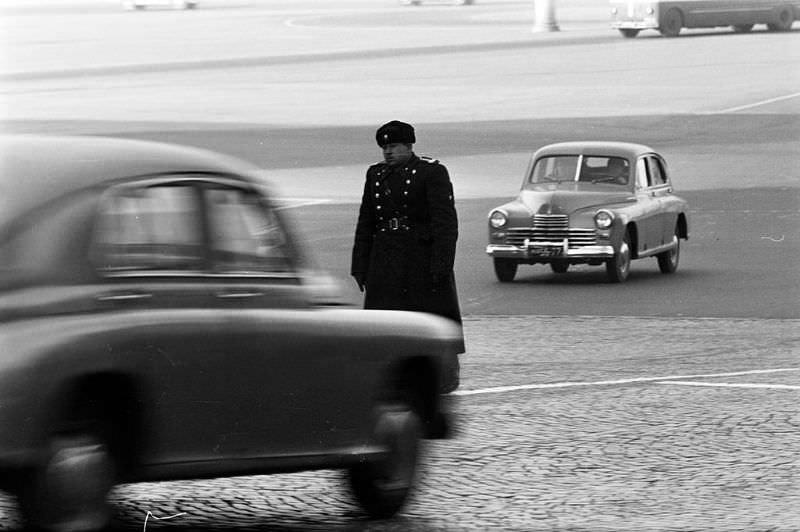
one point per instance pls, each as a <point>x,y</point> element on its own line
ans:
<point>590,203</point>
<point>159,321</point>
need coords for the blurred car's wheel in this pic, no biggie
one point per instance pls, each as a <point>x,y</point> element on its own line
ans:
<point>505,269</point>
<point>671,23</point>
<point>629,33</point>
<point>742,28</point>
<point>381,487</point>
<point>68,491</point>
<point>559,267</point>
<point>668,261</point>
<point>783,19</point>
<point>619,267</point>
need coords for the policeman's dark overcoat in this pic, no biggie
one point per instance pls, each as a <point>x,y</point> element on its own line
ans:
<point>406,232</point>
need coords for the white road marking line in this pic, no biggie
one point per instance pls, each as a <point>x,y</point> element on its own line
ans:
<point>503,389</point>
<point>757,104</point>
<point>733,385</point>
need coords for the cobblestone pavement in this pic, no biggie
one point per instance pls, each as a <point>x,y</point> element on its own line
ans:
<point>616,427</point>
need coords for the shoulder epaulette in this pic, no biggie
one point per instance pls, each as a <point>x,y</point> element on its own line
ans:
<point>428,159</point>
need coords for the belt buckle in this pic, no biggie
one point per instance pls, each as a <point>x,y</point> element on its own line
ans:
<point>394,224</point>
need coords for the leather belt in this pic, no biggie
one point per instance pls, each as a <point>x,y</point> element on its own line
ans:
<point>395,224</point>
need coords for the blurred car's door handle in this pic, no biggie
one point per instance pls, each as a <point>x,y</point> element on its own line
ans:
<point>124,296</point>
<point>236,294</point>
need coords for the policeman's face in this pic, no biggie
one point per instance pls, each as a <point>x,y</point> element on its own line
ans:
<point>396,154</point>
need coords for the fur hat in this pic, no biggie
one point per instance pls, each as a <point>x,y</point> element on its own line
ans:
<point>395,132</point>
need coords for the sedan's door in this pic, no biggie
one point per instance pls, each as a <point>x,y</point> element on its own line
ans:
<point>648,219</point>
<point>149,246</point>
<point>662,192</point>
<point>283,365</point>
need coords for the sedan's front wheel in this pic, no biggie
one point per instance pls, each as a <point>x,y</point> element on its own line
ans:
<point>671,23</point>
<point>505,269</point>
<point>382,486</point>
<point>619,267</point>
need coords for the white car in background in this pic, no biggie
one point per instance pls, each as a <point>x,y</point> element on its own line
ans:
<point>452,2</point>
<point>174,4</point>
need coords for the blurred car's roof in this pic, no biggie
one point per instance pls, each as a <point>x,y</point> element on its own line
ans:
<point>35,169</point>
<point>600,148</point>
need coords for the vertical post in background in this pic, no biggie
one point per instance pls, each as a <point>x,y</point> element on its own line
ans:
<point>544,16</point>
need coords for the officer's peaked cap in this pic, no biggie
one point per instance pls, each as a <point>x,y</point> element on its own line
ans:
<point>395,132</point>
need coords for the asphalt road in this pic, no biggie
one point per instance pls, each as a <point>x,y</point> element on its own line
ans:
<point>665,403</point>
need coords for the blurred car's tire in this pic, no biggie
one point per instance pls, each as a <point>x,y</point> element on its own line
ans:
<point>629,33</point>
<point>671,23</point>
<point>505,269</point>
<point>381,487</point>
<point>68,490</point>
<point>784,18</point>
<point>559,267</point>
<point>742,28</point>
<point>668,260</point>
<point>619,267</point>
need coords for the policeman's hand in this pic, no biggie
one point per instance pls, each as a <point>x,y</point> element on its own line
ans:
<point>361,280</point>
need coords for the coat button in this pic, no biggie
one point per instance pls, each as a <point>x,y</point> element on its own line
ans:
<point>408,181</point>
<point>378,207</point>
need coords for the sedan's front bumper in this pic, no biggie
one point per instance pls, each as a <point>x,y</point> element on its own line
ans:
<point>646,24</point>
<point>546,251</point>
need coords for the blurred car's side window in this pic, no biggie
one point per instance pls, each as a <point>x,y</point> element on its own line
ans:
<point>149,228</point>
<point>246,236</point>
<point>656,172</point>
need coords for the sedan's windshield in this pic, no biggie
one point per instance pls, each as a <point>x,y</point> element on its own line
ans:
<point>558,168</point>
<point>593,169</point>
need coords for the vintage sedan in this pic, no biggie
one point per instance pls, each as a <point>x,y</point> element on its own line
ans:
<point>158,321</point>
<point>590,203</point>
<point>630,17</point>
<point>448,2</point>
<point>174,4</point>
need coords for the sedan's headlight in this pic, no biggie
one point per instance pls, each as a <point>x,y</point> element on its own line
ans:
<point>603,219</point>
<point>498,219</point>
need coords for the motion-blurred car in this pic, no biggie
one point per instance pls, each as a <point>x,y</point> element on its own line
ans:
<point>590,203</point>
<point>158,321</point>
<point>670,16</point>
<point>174,4</point>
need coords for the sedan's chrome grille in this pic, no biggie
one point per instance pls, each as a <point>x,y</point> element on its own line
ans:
<point>551,228</point>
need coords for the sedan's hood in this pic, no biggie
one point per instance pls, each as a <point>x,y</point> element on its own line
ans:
<point>566,198</point>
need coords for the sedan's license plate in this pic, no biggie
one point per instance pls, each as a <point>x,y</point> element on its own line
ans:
<point>545,251</point>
